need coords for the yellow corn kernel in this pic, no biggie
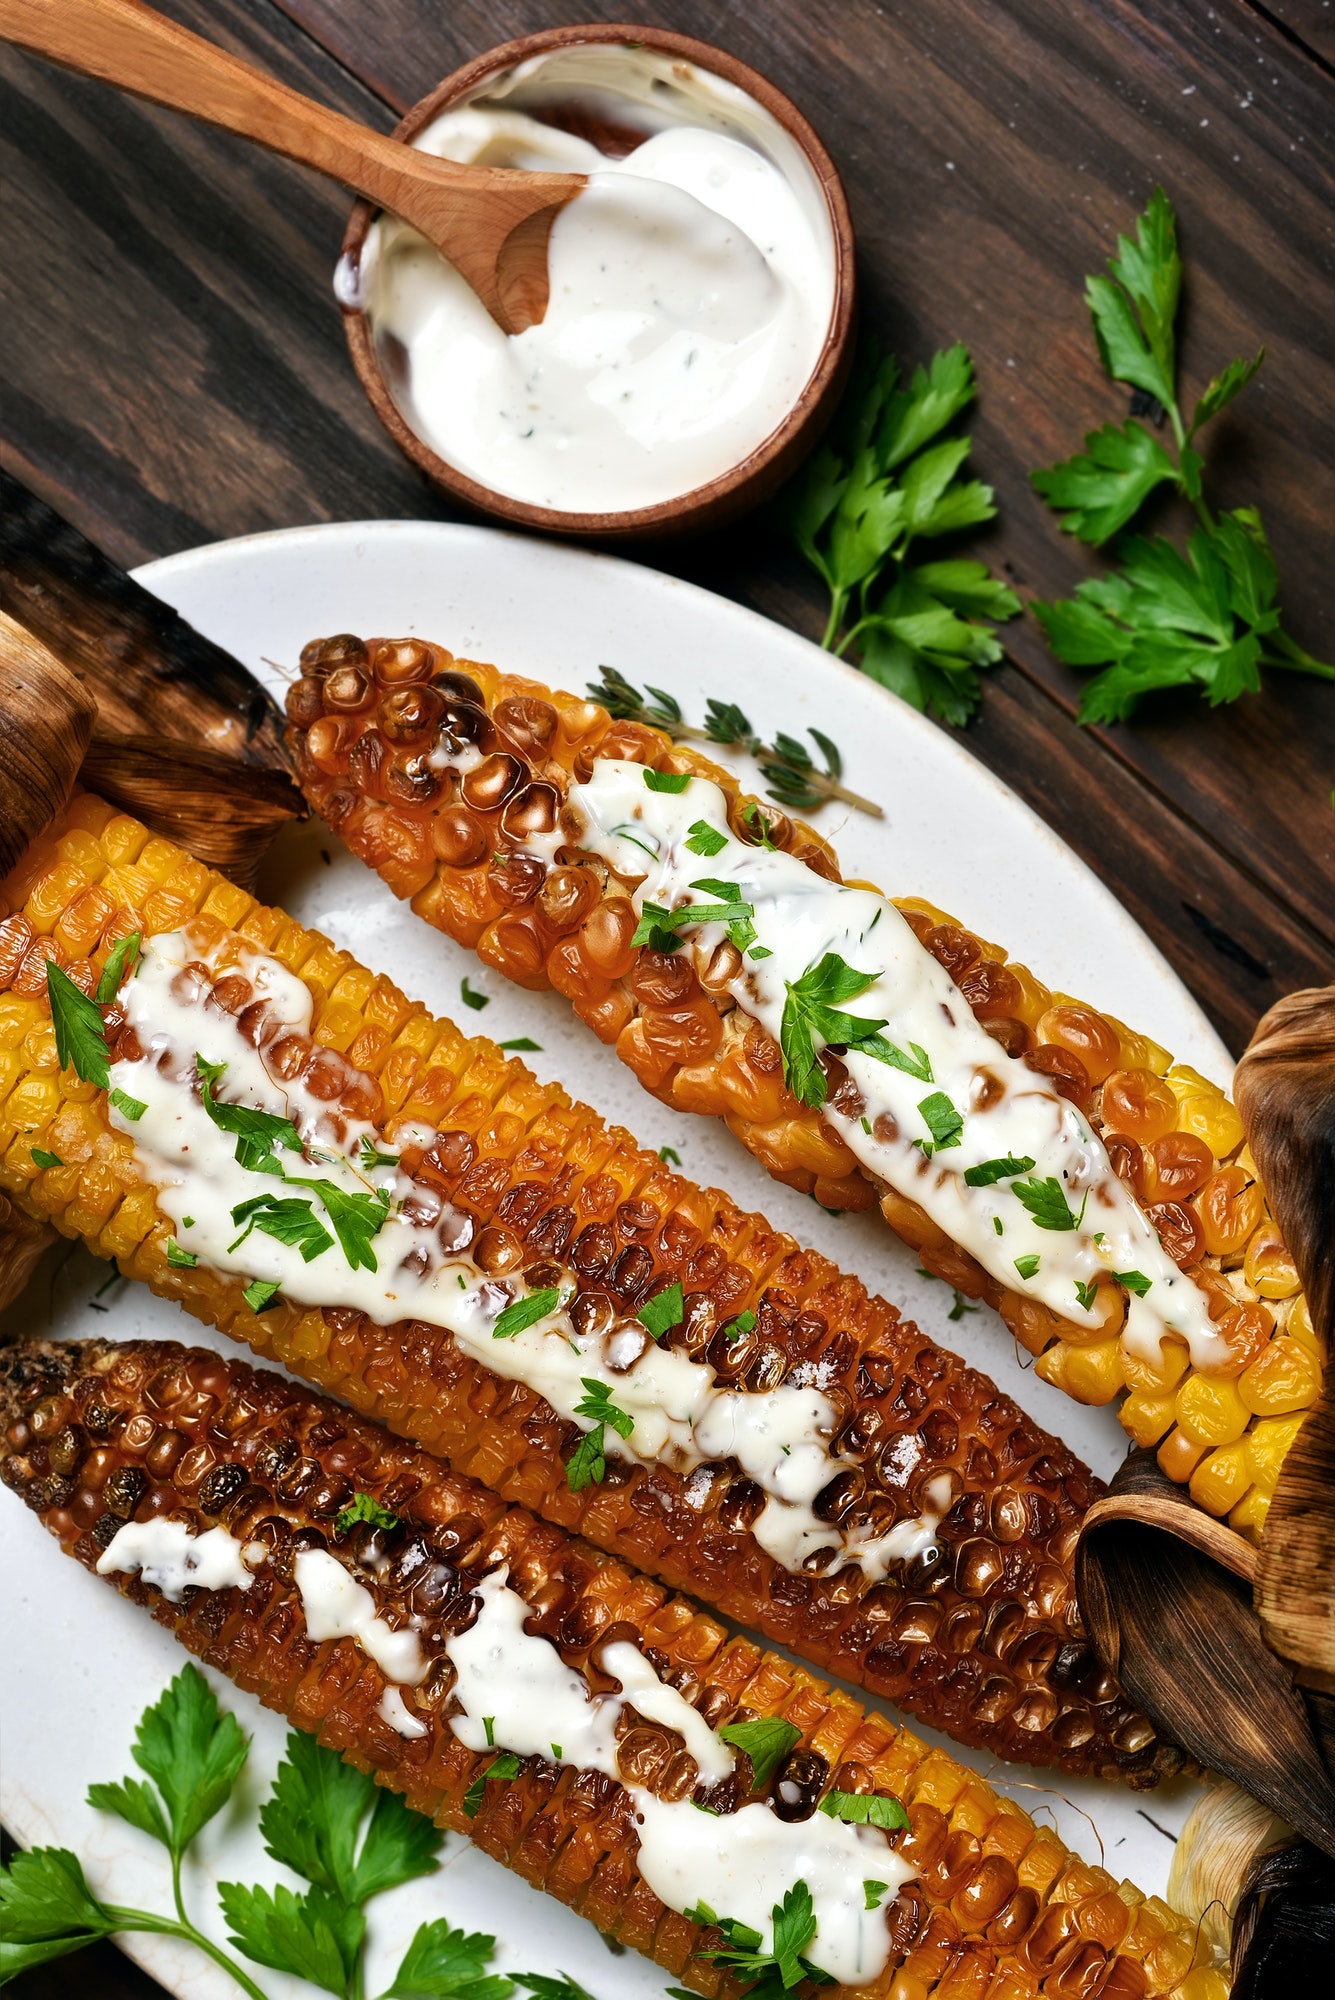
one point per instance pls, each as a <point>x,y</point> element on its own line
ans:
<point>1204,1111</point>
<point>1147,1416</point>
<point>86,813</point>
<point>1248,1517</point>
<point>1088,1374</point>
<point>1179,1456</point>
<point>1211,1412</point>
<point>1204,1983</point>
<point>1222,1477</point>
<point>123,840</point>
<point>52,896</point>
<point>1268,1443</point>
<point>79,847</point>
<point>1157,1377</point>
<point>1285,1376</point>
<point>1268,1266</point>
<point>1299,1325</point>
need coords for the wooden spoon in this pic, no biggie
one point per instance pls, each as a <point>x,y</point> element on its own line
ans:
<point>492,223</point>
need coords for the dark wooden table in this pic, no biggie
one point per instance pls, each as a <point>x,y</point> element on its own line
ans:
<point>173,368</point>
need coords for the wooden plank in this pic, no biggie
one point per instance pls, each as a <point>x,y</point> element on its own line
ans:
<point>174,366</point>
<point>992,155</point>
<point>1311,23</point>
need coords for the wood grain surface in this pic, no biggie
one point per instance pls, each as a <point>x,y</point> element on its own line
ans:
<point>174,369</point>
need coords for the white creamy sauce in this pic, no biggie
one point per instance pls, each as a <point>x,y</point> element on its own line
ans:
<point>741,1864</point>
<point>392,1708</point>
<point>173,1559</point>
<point>336,1606</point>
<point>692,285</point>
<point>781,1438</point>
<point>799,917</point>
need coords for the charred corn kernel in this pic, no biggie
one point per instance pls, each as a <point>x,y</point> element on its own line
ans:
<point>1285,1377</point>
<point>971,1852</point>
<point>1147,1415</point>
<point>1222,1477</point>
<point>1268,1266</point>
<point>536,1176</point>
<point>1267,1443</point>
<point>1211,1411</point>
<point>1179,1456</point>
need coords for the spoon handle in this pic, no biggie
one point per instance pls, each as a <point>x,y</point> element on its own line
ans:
<point>467,212</point>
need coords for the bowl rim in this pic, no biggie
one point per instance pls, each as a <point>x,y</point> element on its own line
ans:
<point>763,469</point>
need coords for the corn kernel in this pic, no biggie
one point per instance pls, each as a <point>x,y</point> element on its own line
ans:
<point>1204,1111</point>
<point>1157,1377</point>
<point>1268,1443</point>
<point>1211,1412</point>
<point>1248,1517</point>
<point>1285,1376</point>
<point>1299,1325</point>
<point>1179,1456</point>
<point>1222,1477</point>
<point>1268,1266</point>
<point>1092,1375</point>
<point>1204,1983</point>
<point>1147,1416</point>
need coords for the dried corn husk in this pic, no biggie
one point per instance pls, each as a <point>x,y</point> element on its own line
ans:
<point>225,813</point>
<point>46,719</point>
<point>1225,1835</point>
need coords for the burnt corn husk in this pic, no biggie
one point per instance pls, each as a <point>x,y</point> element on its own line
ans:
<point>980,1635</point>
<point>374,726</point>
<point>46,720</point>
<point>97,1434</point>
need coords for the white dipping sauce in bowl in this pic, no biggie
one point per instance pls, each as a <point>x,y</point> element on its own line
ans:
<point>692,287</point>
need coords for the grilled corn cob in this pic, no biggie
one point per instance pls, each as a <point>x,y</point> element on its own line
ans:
<point>978,1632</point>
<point>100,1437</point>
<point>448,776</point>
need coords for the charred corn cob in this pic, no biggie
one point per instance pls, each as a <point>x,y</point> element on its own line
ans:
<point>453,780</point>
<point>933,1561</point>
<point>134,1454</point>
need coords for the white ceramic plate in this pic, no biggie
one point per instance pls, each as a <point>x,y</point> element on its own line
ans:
<point>81,1662</point>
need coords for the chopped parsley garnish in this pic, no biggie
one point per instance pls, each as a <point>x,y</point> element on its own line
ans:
<point>658,927</point>
<point>989,1172</point>
<point>285,1218</point>
<point>489,1727</point>
<point>998,1225</point>
<point>1135,1281</point>
<point>471,998</point>
<point>365,1507</point>
<point>741,928</point>
<point>523,1313</point>
<point>663,1311</point>
<point>176,1255</point>
<point>357,1218</point>
<point>874,1894</point>
<point>753,817</point>
<point>501,1769</point>
<point>766,1742</point>
<point>813,1018</point>
<point>261,1293</point>
<point>667,781</point>
<point>1046,1202</point>
<point>744,1323</point>
<point>866,1809</point>
<point>41,1158</point>
<point>371,1156</point>
<point>1027,1265</point>
<point>942,1120</point>
<point>669,1156</point>
<point>1087,1293</point>
<point>587,1463</point>
<point>522,1045</point>
<point>706,839</point>
<point>129,1107</point>
<point>782,1968</point>
<point>961,1306</point>
<point>556,1753</point>
<point>596,1403</point>
<point>123,954</point>
<point>81,1036</point>
<point>258,1134</point>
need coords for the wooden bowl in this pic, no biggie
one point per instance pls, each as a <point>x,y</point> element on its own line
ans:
<point>746,484</point>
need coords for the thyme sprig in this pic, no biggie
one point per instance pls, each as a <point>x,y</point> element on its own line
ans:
<point>792,776</point>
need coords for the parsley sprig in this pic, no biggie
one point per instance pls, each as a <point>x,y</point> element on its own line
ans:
<point>781,1968</point>
<point>1206,616</point>
<point>813,1019</point>
<point>890,475</point>
<point>344,1835</point>
<point>587,1464</point>
<point>791,774</point>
